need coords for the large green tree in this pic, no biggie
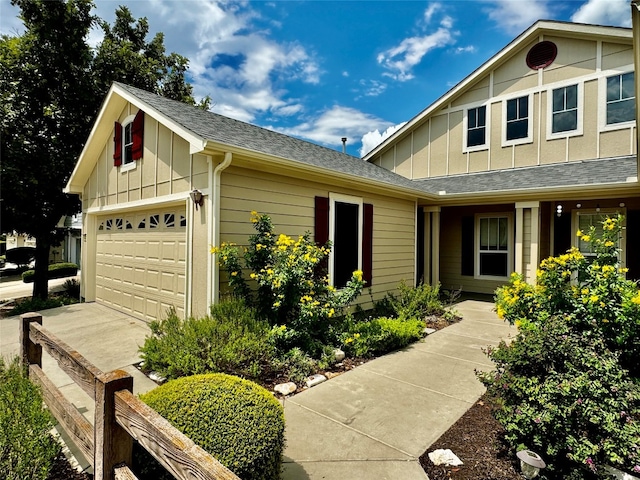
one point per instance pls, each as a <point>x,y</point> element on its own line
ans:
<point>51,86</point>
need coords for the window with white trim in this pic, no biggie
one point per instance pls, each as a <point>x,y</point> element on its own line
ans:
<point>345,234</point>
<point>621,98</point>
<point>127,142</point>
<point>564,110</point>
<point>493,245</point>
<point>584,220</point>
<point>517,119</point>
<point>476,127</point>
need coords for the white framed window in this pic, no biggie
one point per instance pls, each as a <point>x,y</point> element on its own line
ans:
<point>127,145</point>
<point>494,246</point>
<point>565,111</point>
<point>584,219</point>
<point>620,99</point>
<point>476,121</point>
<point>345,234</point>
<point>518,120</point>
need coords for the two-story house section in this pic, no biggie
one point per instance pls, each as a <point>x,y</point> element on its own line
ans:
<point>538,142</point>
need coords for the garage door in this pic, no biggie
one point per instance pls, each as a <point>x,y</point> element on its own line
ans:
<point>140,262</point>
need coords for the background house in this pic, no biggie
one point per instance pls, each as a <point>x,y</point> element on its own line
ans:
<point>538,142</point>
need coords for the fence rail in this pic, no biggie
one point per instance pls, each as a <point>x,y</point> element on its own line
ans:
<point>120,417</point>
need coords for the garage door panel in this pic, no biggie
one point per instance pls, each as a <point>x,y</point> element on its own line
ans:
<point>141,270</point>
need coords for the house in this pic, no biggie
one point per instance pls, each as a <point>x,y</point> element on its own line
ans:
<point>146,242</point>
<point>538,142</point>
<point>495,175</point>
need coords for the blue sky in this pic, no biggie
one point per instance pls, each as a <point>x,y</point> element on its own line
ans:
<point>322,70</point>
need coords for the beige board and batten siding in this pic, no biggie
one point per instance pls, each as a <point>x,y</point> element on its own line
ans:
<point>166,168</point>
<point>290,202</point>
<point>438,139</point>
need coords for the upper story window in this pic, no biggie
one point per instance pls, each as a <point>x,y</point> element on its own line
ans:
<point>516,114</point>
<point>621,98</point>
<point>565,109</point>
<point>477,127</point>
<point>128,141</point>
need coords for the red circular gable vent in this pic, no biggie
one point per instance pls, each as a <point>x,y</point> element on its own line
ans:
<point>542,55</point>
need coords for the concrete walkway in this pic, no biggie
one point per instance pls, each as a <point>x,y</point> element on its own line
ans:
<point>370,423</point>
<point>13,287</point>
<point>375,421</point>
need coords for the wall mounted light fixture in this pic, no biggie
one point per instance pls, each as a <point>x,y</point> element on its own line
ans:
<point>197,197</point>
<point>559,210</point>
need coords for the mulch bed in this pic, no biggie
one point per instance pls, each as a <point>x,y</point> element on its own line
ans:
<point>477,439</point>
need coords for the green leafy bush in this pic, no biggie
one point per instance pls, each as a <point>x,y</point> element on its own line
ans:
<point>71,288</point>
<point>56,270</point>
<point>567,385</point>
<point>27,449</point>
<point>381,335</point>
<point>417,302</point>
<point>291,290</point>
<point>231,340</point>
<point>36,305</point>
<point>237,421</point>
<point>295,365</point>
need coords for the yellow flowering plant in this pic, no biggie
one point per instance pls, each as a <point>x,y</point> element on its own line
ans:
<point>292,287</point>
<point>567,386</point>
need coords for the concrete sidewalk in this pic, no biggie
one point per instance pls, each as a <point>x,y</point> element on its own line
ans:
<point>375,421</point>
<point>13,287</point>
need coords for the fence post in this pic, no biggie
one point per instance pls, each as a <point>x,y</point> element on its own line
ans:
<point>30,353</point>
<point>113,445</point>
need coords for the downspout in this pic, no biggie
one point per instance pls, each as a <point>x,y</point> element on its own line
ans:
<point>635,22</point>
<point>214,291</point>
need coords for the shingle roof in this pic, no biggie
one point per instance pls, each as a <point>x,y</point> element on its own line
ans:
<point>218,128</point>
<point>588,172</point>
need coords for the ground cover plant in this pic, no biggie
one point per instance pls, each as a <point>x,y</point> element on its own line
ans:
<point>567,385</point>
<point>27,450</point>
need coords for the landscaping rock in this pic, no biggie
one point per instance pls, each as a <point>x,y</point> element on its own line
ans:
<point>285,388</point>
<point>429,331</point>
<point>156,377</point>
<point>339,354</point>
<point>316,379</point>
<point>444,457</point>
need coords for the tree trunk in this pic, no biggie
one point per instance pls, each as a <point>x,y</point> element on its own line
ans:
<point>41,277</point>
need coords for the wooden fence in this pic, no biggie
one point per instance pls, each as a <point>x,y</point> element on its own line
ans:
<point>120,417</point>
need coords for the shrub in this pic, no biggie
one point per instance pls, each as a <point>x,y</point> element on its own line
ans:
<point>36,305</point>
<point>567,385</point>
<point>237,421</point>
<point>71,288</point>
<point>230,340</point>
<point>381,335</point>
<point>56,270</point>
<point>291,289</point>
<point>27,449</point>
<point>417,302</point>
<point>295,365</point>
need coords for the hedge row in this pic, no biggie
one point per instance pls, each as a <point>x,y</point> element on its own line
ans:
<point>56,270</point>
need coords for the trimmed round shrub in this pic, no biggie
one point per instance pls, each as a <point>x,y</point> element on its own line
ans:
<point>237,421</point>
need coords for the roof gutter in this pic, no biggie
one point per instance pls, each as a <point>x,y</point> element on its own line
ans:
<point>635,21</point>
<point>213,293</point>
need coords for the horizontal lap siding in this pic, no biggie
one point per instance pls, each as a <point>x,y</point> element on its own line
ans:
<point>290,204</point>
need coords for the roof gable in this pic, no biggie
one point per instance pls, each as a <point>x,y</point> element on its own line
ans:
<point>519,47</point>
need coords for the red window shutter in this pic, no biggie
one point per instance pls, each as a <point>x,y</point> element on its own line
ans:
<point>367,244</point>
<point>321,232</point>
<point>137,132</point>
<point>117,144</point>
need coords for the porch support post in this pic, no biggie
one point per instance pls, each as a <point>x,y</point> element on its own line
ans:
<point>434,222</point>
<point>527,252</point>
<point>426,268</point>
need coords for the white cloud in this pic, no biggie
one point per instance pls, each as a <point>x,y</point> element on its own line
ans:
<point>371,88</point>
<point>372,139</point>
<point>401,59</point>
<point>333,124</point>
<point>430,10</point>
<point>604,12</point>
<point>467,49</point>
<point>515,15</point>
